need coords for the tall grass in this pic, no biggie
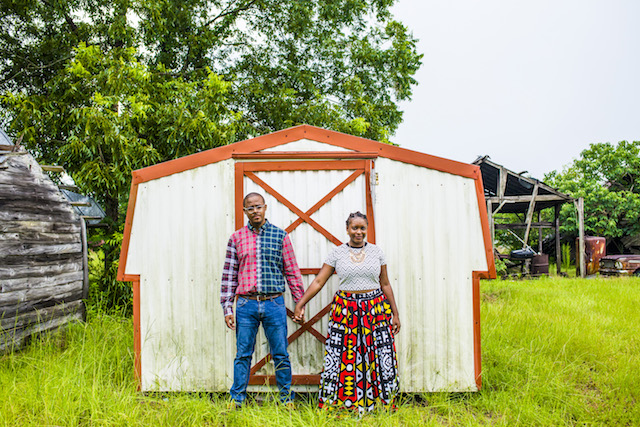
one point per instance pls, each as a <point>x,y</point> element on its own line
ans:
<point>555,352</point>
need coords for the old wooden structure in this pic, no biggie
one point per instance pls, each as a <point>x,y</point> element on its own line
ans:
<point>425,212</point>
<point>43,265</point>
<point>510,192</point>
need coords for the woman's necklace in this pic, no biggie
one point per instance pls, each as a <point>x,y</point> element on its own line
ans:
<point>357,257</point>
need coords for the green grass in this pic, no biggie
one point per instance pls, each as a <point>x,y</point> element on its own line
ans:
<point>555,352</point>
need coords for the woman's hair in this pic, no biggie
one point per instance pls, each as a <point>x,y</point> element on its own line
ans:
<point>354,215</point>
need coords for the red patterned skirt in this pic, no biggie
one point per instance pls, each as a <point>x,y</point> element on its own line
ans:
<point>360,364</point>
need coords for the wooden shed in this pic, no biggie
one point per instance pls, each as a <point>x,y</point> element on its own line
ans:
<point>427,214</point>
<point>43,265</point>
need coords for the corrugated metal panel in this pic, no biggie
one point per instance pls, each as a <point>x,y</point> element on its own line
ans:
<point>304,189</point>
<point>428,225</point>
<point>306,145</point>
<point>180,229</point>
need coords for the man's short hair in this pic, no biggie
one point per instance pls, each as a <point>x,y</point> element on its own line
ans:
<point>244,201</point>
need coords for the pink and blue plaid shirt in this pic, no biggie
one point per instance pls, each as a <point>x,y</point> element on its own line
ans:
<point>259,263</point>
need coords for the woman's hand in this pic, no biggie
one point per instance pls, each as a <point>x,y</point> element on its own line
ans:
<point>298,315</point>
<point>395,324</point>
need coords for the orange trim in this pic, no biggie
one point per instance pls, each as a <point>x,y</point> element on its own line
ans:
<point>477,348</point>
<point>292,207</point>
<point>304,271</point>
<point>128,223</point>
<point>484,221</point>
<point>325,199</point>
<point>137,347</point>
<point>305,155</point>
<point>239,195</point>
<point>303,165</point>
<point>295,379</point>
<point>370,216</point>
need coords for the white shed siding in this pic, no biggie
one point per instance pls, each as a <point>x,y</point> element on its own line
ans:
<point>427,223</point>
<point>179,235</point>
<point>306,145</point>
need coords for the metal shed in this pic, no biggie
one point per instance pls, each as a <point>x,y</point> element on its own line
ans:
<point>427,214</point>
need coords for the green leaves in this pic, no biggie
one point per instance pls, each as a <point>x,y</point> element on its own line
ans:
<point>607,176</point>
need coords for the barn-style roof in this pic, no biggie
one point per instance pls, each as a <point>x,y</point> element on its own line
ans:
<point>358,147</point>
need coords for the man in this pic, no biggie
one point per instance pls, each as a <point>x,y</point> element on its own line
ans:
<point>259,260</point>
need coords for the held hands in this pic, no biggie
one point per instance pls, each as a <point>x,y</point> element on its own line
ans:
<point>298,315</point>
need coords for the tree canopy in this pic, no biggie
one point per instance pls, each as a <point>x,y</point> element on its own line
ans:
<point>104,87</point>
<point>607,176</point>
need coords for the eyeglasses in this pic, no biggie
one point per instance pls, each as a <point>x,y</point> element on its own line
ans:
<point>252,209</point>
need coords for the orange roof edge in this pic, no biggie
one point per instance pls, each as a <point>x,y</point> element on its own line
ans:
<point>297,133</point>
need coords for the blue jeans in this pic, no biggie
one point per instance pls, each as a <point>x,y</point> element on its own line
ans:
<point>273,316</point>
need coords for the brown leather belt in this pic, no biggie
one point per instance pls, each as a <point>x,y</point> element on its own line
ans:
<point>260,297</point>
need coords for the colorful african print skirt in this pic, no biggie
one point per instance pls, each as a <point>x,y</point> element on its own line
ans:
<point>360,364</point>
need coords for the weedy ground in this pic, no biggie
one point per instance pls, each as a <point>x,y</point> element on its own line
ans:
<point>555,352</point>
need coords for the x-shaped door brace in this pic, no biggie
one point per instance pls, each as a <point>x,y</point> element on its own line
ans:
<point>305,217</point>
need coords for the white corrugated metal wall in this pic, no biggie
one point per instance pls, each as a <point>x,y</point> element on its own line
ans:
<point>428,224</point>
<point>180,229</point>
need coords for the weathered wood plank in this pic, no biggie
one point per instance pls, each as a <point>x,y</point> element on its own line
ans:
<point>37,206</point>
<point>40,315</point>
<point>52,268</point>
<point>21,249</point>
<point>38,259</point>
<point>37,237</point>
<point>17,309</point>
<point>52,168</point>
<point>12,341</point>
<point>39,227</point>
<point>70,217</point>
<point>33,296</point>
<point>13,285</point>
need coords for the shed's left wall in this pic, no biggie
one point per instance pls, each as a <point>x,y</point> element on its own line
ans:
<point>180,229</point>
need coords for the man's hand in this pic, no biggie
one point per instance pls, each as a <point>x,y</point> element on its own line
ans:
<point>298,315</point>
<point>230,321</point>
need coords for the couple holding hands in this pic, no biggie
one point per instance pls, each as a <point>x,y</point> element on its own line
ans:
<point>360,365</point>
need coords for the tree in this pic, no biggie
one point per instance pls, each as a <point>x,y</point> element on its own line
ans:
<point>341,64</point>
<point>106,87</point>
<point>607,176</point>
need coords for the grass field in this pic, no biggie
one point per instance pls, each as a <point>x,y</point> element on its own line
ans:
<point>555,352</point>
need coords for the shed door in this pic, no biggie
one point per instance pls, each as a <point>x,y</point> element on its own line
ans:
<point>310,200</point>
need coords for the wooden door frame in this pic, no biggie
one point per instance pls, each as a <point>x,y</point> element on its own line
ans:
<point>249,169</point>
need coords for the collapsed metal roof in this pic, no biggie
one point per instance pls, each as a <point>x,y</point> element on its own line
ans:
<point>511,192</point>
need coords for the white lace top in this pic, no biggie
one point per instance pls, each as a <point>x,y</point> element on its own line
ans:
<point>357,268</point>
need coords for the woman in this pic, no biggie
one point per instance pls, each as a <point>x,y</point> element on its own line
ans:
<point>360,366</point>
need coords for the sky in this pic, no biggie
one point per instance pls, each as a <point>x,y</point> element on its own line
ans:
<point>529,83</point>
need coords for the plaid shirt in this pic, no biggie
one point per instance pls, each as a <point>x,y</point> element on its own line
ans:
<point>258,263</point>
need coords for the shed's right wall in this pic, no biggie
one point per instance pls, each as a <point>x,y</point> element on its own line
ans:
<point>428,224</point>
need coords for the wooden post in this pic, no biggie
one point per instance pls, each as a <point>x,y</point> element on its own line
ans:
<point>580,206</point>
<point>492,229</point>
<point>558,247</point>
<point>532,206</point>
<point>539,235</point>
<point>502,186</point>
